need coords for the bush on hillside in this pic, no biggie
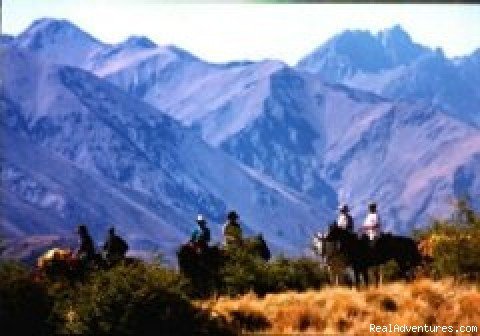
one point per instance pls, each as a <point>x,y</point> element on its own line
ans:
<point>295,274</point>
<point>454,244</point>
<point>244,272</point>
<point>136,300</point>
<point>126,300</point>
<point>241,273</point>
<point>25,306</point>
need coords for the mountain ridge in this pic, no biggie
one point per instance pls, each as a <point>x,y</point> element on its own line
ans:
<point>424,73</point>
<point>141,154</point>
<point>297,145</point>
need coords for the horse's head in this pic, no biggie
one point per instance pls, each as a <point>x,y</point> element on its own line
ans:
<point>324,241</point>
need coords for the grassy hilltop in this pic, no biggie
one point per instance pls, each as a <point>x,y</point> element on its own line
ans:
<point>341,310</point>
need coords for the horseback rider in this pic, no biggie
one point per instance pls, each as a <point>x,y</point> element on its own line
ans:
<point>232,230</point>
<point>115,248</point>
<point>345,220</point>
<point>86,250</point>
<point>201,235</point>
<point>371,225</point>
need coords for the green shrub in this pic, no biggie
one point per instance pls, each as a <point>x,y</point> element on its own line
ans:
<point>241,273</point>
<point>140,299</point>
<point>455,243</point>
<point>391,271</point>
<point>25,306</point>
<point>246,272</point>
<point>136,300</point>
<point>295,274</point>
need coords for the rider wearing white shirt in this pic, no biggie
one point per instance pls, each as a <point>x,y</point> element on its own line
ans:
<point>371,225</point>
<point>345,220</point>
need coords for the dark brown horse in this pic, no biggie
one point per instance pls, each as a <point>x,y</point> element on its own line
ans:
<point>201,266</point>
<point>361,254</point>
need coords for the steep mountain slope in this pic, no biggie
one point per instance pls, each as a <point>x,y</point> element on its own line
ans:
<point>254,111</point>
<point>220,100</point>
<point>391,65</point>
<point>436,79</point>
<point>409,158</point>
<point>115,138</point>
<point>470,66</point>
<point>45,193</point>
<point>365,147</point>
<point>293,127</point>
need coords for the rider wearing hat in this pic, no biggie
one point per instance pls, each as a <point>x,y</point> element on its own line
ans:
<point>201,235</point>
<point>115,247</point>
<point>345,220</point>
<point>86,251</point>
<point>232,230</point>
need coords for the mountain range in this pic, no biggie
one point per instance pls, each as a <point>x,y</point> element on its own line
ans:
<point>144,137</point>
<point>392,65</point>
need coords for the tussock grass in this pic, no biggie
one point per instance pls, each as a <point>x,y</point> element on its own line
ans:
<point>341,310</point>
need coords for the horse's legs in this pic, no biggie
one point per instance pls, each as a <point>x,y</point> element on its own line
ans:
<point>407,271</point>
<point>356,273</point>
<point>330,275</point>
<point>365,276</point>
<point>403,269</point>
<point>376,273</point>
<point>350,274</point>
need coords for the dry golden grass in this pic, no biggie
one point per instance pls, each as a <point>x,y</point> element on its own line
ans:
<point>340,310</point>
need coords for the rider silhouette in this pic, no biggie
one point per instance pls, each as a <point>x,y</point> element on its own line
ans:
<point>115,247</point>
<point>201,235</point>
<point>86,250</point>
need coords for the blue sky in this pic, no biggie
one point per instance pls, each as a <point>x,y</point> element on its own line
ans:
<point>218,32</point>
